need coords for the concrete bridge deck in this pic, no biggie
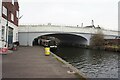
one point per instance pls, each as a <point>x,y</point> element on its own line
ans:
<point>81,35</point>
<point>30,62</point>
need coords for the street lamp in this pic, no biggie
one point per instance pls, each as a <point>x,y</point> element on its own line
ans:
<point>7,30</point>
<point>28,36</point>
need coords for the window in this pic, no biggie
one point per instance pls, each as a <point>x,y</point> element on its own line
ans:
<point>12,17</point>
<point>16,36</point>
<point>4,11</point>
<point>3,32</point>
<point>17,14</point>
<point>13,2</point>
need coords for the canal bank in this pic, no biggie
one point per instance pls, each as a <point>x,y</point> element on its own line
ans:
<point>112,48</point>
<point>73,69</point>
<point>31,62</point>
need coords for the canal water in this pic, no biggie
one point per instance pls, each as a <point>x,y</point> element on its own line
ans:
<point>93,63</point>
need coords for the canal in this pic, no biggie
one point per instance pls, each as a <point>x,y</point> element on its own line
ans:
<point>93,63</point>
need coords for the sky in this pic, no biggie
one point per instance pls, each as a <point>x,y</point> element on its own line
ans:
<point>70,12</point>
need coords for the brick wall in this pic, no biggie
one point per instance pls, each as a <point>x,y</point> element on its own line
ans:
<point>11,9</point>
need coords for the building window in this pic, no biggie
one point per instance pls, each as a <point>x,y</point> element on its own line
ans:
<point>17,14</point>
<point>3,32</point>
<point>12,17</point>
<point>4,11</point>
<point>13,2</point>
<point>16,36</point>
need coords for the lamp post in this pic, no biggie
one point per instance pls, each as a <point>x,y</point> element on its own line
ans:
<point>28,36</point>
<point>7,30</point>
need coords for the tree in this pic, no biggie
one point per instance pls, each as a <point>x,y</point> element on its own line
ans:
<point>97,40</point>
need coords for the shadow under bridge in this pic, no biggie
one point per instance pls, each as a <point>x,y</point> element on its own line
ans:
<point>65,39</point>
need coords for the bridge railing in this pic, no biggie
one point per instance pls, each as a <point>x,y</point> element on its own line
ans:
<point>68,29</point>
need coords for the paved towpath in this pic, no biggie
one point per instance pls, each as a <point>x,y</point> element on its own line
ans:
<point>30,62</point>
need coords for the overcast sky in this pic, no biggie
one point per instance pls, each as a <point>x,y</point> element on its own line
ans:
<point>70,12</point>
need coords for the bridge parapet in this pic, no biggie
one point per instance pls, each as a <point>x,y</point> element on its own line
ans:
<point>64,29</point>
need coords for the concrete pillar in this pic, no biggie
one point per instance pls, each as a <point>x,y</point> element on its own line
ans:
<point>119,17</point>
<point>88,42</point>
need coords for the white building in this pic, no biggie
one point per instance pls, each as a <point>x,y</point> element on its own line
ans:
<point>0,23</point>
<point>9,12</point>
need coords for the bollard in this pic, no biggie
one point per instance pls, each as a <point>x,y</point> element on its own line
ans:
<point>47,51</point>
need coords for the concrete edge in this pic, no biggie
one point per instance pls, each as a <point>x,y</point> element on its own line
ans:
<point>70,66</point>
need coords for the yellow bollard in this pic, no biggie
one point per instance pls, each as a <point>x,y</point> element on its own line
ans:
<point>47,51</point>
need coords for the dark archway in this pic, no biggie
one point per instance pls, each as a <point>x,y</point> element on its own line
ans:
<point>35,42</point>
<point>66,39</point>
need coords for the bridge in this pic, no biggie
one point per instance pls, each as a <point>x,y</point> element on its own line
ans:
<point>66,34</point>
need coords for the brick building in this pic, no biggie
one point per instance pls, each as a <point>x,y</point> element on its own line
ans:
<point>9,22</point>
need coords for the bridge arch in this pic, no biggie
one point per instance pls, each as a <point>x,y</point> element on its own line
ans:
<point>65,38</point>
<point>28,38</point>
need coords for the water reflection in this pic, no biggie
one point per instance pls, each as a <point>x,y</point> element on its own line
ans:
<point>94,63</point>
